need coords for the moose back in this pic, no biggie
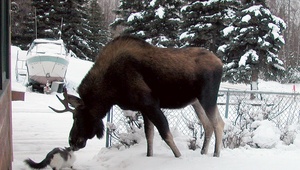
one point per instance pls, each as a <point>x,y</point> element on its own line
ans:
<point>135,75</point>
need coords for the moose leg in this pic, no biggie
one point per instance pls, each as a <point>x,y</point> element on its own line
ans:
<point>157,117</point>
<point>208,127</point>
<point>149,131</point>
<point>218,125</point>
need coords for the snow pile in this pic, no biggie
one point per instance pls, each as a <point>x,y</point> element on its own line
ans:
<point>265,134</point>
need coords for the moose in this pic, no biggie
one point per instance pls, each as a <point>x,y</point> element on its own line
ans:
<point>135,75</point>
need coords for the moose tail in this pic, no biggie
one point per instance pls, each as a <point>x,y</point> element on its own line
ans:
<point>34,165</point>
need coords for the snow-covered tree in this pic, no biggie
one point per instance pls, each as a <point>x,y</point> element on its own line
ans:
<point>70,21</point>
<point>129,14</point>
<point>164,22</point>
<point>204,20</point>
<point>99,34</point>
<point>76,29</point>
<point>22,24</point>
<point>156,21</point>
<point>253,43</point>
<point>46,27</point>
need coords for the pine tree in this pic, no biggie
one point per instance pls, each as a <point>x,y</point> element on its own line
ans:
<point>163,22</point>
<point>75,28</point>
<point>99,32</point>
<point>204,20</point>
<point>253,43</point>
<point>129,14</point>
<point>156,21</point>
<point>29,32</point>
<point>46,27</point>
<point>22,24</point>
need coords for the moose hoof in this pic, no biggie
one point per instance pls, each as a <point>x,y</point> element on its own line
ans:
<point>216,154</point>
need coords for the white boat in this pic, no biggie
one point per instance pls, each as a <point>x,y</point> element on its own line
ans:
<point>47,61</point>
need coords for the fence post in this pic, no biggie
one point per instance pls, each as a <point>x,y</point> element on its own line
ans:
<point>227,104</point>
<point>108,137</point>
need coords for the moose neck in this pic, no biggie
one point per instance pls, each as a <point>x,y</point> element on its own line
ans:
<point>91,92</point>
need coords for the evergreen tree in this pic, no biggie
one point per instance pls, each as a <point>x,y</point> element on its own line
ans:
<point>76,29</point>
<point>163,22</point>
<point>23,24</point>
<point>204,20</point>
<point>129,15</point>
<point>46,27</point>
<point>156,21</point>
<point>253,43</point>
<point>99,33</point>
<point>29,32</point>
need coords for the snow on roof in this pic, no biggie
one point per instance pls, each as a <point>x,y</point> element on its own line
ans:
<point>49,46</point>
<point>43,40</point>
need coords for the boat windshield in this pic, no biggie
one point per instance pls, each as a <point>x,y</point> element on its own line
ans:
<point>53,48</point>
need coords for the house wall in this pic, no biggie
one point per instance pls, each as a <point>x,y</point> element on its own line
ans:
<point>5,127</point>
<point>6,152</point>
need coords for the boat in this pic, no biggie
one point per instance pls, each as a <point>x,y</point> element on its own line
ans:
<point>47,62</point>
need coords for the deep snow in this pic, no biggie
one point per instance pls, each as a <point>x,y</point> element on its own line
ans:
<point>37,130</point>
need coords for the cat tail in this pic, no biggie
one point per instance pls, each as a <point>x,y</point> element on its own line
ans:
<point>34,165</point>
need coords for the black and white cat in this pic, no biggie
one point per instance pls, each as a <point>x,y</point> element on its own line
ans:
<point>57,158</point>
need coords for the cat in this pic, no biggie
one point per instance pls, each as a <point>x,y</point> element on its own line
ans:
<point>57,158</point>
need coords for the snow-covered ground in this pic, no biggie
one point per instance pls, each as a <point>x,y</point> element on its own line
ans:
<point>37,130</point>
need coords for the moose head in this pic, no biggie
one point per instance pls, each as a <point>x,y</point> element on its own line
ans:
<point>85,126</point>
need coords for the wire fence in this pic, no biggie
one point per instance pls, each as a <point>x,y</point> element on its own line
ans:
<point>235,106</point>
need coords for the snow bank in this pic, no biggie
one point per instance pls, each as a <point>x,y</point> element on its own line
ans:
<point>266,134</point>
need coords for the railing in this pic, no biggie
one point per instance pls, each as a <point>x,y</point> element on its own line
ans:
<point>234,106</point>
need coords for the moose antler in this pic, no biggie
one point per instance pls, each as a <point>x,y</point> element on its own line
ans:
<point>64,101</point>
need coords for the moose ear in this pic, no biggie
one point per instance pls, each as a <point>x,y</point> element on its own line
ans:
<point>74,101</point>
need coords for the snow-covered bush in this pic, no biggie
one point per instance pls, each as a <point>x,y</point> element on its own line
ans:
<point>193,127</point>
<point>264,134</point>
<point>133,132</point>
<point>256,124</point>
<point>234,136</point>
<point>288,136</point>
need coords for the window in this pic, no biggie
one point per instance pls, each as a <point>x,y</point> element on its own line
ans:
<point>4,42</point>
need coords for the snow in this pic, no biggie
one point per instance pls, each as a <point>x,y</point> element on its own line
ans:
<point>132,16</point>
<point>186,35</point>
<point>264,134</point>
<point>246,18</point>
<point>253,9</point>
<point>251,53</point>
<point>228,30</point>
<point>152,3</point>
<point>37,130</point>
<point>275,32</point>
<point>160,12</point>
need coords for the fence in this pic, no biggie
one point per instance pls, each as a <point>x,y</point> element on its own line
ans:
<point>235,106</point>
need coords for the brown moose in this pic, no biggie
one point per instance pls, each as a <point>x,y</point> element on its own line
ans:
<point>135,75</point>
